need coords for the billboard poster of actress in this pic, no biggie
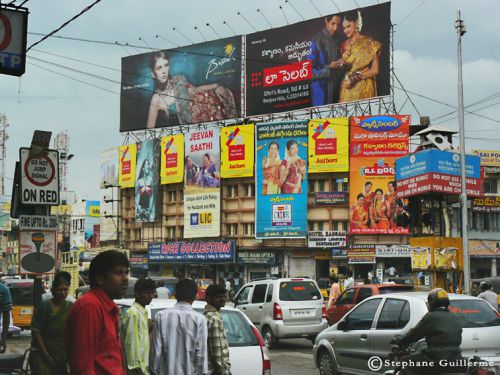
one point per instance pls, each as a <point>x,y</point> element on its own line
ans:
<point>146,181</point>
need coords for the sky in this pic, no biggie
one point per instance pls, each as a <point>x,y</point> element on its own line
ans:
<point>424,61</point>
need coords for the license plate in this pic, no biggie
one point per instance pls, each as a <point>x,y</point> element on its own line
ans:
<point>303,313</point>
<point>26,311</point>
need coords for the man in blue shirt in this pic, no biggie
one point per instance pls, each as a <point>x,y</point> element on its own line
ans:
<point>6,307</point>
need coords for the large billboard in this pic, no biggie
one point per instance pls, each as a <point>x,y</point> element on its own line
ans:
<point>172,159</point>
<point>237,151</point>
<point>329,145</point>
<point>13,31</point>
<point>146,181</point>
<point>439,172</point>
<point>319,61</point>
<point>191,252</point>
<point>281,180</point>
<point>126,166</point>
<point>109,167</point>
<point>488,157</point>
<point>202,183</point>
<point>187,85</point>
<point>375,143</point>
<point>92,222</point>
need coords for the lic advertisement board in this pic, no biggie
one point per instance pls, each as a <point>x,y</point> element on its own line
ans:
<point>437,171</point>
<point>191,252</point>
<point>298,66</point>
<point>146,181</point>
<point>375,143</point>
<point>202,183</point>
<point>192,84</point>
<point>281,180</point>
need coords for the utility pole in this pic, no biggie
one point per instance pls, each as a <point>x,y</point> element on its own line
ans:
<point>460,28</point>
<point>3,150</point>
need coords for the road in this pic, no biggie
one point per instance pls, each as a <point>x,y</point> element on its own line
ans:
<point>293,357</point>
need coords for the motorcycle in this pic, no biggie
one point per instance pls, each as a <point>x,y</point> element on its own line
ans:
<point>400,356</point>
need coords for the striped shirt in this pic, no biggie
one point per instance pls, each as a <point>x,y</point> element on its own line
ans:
<point>5,298</point>
<point>135,338</point>
<point>218,348</point>
<point>179,344</point>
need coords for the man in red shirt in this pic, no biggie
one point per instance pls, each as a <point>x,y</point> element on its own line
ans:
<point>92,340</point>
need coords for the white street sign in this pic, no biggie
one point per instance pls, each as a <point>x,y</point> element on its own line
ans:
<point>39,178</point>
<point>37,222</point>
<point>37,252</point>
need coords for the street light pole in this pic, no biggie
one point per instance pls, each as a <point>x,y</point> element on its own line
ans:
<point>460,28</point>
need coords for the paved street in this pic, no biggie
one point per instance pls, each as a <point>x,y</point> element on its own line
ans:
<point>293,357</point>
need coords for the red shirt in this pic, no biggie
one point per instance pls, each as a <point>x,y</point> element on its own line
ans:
<point>92,341</point>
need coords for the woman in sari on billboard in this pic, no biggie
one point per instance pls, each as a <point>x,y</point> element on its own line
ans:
<point>360,56</point>
<point>270,167</point>
<point>379,218</point>
<point>208,176</point>
<point>358,215</point>
<point>292,170</point>
<point>176,101</point>
<point>390,201</point>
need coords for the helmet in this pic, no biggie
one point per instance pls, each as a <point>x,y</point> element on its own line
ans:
<point>438,298</point>
<point>484,285</point>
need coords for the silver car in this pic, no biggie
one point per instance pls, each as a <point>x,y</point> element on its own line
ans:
<point>283,308</point>
<point>366,331</point>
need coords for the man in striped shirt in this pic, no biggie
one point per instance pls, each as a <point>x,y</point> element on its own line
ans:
<point>134,329</point>
<point>5,307</point>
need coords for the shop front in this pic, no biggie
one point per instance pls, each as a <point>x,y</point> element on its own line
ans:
<point>394,263</point>
<point>139,266</point>
<point>258,264</point>
<point>361,260</point>
<point>484,255</point>
<point>321,243</point>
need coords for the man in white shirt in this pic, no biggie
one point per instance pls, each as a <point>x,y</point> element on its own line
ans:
<point>349,281</point>
<point>162,291</point>
<point>391,271</point>
<point>179,342</point>
<point>488,295</point>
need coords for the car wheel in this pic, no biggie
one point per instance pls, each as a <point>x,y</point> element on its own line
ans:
<point>326,364</point>
<point>269,337</point>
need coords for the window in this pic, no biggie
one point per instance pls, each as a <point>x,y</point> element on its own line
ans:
<point>299,291</point>
<point>232,230</point>
<point>321,185</point>
<point>249,190</point>
<point>335,225</point>
<point>345,186</point>
<point>244,295</point>
<point>474,313</point>
<point>347,298</point>
<point>249,229</point>
<point>316,225</point>
<point>171,197</point>
<point>395,314</point>
<point>364,293</point>
<point>170,232</point>
<point>269,295</point>
<point>231,191</point>
<point>490,186</point>
<point>362,316</point>
<point>259,293</point>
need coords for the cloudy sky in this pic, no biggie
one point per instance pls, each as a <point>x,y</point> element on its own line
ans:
<point>424,61</point>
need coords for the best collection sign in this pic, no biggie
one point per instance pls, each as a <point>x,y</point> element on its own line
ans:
<point>39,178</point>
<point>191,252</point>
<point>326,239</point>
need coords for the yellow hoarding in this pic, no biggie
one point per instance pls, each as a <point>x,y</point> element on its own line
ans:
<point>436,253</point>
<point>488,157</point>
<point>328,145</point>
<point>420,258</point>
<point>126,171</point>
<point>237,151</point>
<point>172,159</point>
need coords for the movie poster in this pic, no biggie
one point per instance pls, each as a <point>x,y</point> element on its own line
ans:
<point>375,144</point>
<point>202,183</point>
<point>329,145</point>
<point>146,181</point>
<point>281,180</point>
<point>185,85</point>
<point>237,151</point>
<point>172,159</point>
<point>126,163</point>
<point>318,62</point>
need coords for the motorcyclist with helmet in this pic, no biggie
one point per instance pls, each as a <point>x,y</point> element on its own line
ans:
<point>487,294</point>
<point>442,333</point>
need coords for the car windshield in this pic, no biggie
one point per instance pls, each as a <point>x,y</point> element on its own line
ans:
<point>238,331</point>
<point>392,289</point>
<point>22,296</point>
<point>474,313</point>
<point>299,291</point>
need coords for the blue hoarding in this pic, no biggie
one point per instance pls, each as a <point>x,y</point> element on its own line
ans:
<point>436,161</point>
<point>191,252</point>
<point>281,180</point>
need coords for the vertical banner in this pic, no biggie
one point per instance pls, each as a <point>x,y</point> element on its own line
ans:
<point>237,151</point>
<point>109,167</point>
<point>172,159</point>
<point>92,219</point>
<point>375,144</point>
<point>281,180</point>
<point>126,170</point>
<point>202,183</point>
<point>146,181</point>
<point>328,145</point>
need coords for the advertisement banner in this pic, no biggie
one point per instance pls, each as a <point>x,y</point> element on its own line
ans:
<point>37,252</point>
<point>328,145</point>
<point>486,204</point>
<point>281,180</point>
<point>13,31</point>
<point>237,151</point>
<point>109,167</point>
<point>327,239</point>
<point>299,66</point>
<point>332,197</point>
<point>202,184</point>
<point>488,157</point>
<point>146,181</point>
<point>126,166</point>
<point>420,258</point>
<point>484,249</point>
<point>191,252</point>
<point>375,143</point>
<point>92,219</point>
<point>172,159</point>
<point>437,171</point>
<point>446,259</point>
<point>361,254</point>
<point>185,85</point>
<point>393,251</point>
<point>109,214</point>
<point>257,257</point>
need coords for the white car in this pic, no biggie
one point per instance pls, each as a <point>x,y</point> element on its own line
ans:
<point>247,350</point>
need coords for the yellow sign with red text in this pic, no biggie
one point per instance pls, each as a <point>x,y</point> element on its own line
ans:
<point>237,151</point>
<point>172,159</point>
<point>127,160</point>
<point>328,145</point>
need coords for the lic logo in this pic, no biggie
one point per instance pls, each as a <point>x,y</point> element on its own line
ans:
<point>194,219</point>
